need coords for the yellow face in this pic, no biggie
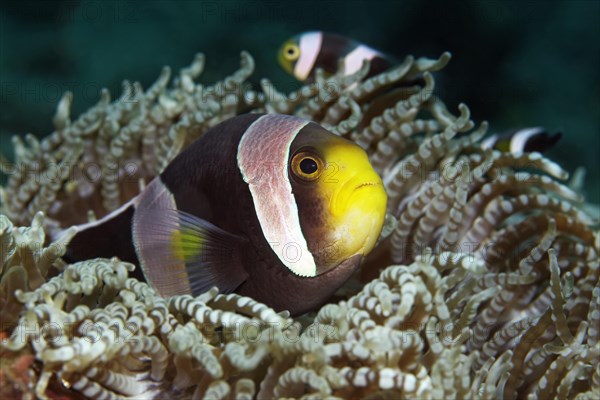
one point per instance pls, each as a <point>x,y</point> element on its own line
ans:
<point>288,55</point>
<point>341,200</point>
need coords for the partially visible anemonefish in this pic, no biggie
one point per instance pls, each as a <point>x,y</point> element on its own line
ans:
<point>522,140</point>
<point>301,55</point>
<point>268,206</point>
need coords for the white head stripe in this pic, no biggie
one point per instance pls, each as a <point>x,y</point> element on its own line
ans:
<point>519,140</point>
<point>354,60</point>
<point>310,46</point>
<point>263,161</point>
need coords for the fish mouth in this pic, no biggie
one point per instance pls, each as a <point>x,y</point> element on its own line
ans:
<point>344,197</point>
<point>360,188</point>
<point>365,184</point>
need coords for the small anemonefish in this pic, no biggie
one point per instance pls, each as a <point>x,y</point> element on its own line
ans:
<point>268,206</point>
<point>304,53</point>
<point>522,140</point>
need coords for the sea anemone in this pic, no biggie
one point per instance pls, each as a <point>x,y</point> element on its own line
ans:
<point>485,281</point>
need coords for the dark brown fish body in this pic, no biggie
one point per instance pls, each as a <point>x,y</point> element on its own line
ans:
<point>208,221</point>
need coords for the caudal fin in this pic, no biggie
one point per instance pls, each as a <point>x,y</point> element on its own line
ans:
<point>108,237</point>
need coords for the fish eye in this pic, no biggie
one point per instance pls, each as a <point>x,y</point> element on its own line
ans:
<point>291,52</point>
<point>307,166</point>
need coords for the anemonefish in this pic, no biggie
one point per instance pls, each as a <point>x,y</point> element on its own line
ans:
<point>304,53</point>
<point>522,140</point>
<point>268,206</point>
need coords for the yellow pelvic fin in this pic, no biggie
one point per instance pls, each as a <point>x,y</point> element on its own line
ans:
<point>186,244</point>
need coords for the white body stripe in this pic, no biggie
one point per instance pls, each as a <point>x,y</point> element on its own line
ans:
<point>263,155</point>
<point>517,143</point>
<point>310,46</point>
<point>489,142</point>
<point>109,216</point>
<point>354,60</point>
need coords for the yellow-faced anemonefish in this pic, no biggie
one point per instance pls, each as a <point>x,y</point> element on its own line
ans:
<point>522,140</point>
<point>301,55</point>
<point>268,206</point>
